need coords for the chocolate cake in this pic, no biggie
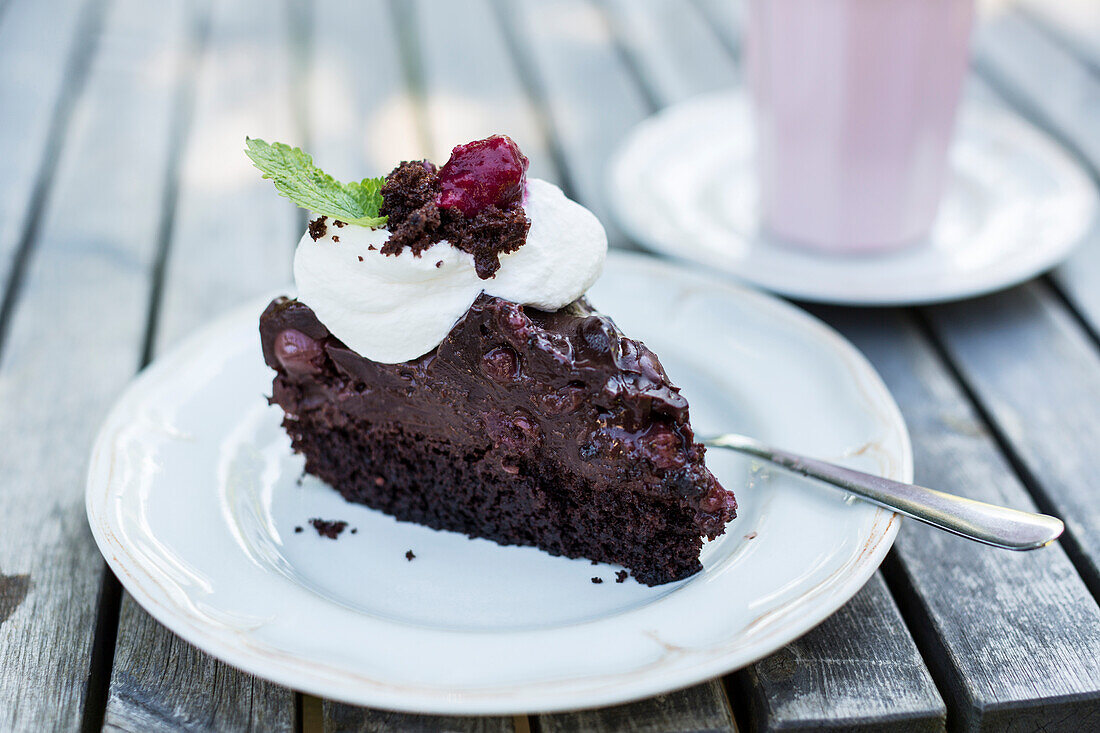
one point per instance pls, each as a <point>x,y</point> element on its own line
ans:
<point>524,426</point>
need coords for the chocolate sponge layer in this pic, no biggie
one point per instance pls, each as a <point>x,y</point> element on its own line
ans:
<point>523,427</point>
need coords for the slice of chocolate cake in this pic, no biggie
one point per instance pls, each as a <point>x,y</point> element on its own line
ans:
<point>443,367</point>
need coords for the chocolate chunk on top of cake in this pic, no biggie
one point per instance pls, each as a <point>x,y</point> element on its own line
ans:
<point>443,366</point>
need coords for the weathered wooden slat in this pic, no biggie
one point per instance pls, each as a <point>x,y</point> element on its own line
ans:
<point>1043,394</point>
<point>74,340</point>
<point>700,709</point>
<point>338,718</point>
<point>232,239</point>
<point>1011,637</point>
<point>38,42</point>
<point>886,680</point>
<point>725,18</point>
<point>471,86</point>
<point>1021,62</point>
<point>360,123</point>
<point>858,669</point>
<point>161,683</point>
<point>568,53</point>
<point>1073,23</point>
<point>674,51</point>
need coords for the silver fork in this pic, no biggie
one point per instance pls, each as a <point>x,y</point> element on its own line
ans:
<point>999,526</point>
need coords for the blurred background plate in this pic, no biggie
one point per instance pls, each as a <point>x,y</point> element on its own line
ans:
<point>683,184</point>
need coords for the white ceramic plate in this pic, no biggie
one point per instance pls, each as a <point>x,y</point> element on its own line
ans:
<point>683,184</point>
<point>193,496</point>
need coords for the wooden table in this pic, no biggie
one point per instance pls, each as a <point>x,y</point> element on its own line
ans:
<point>129,216</point>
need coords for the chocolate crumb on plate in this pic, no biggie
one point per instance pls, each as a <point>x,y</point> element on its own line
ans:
<point>297,530</point>
<point>355,530</point>
<point>330,528</point>
<point>751,536</point>
<point>335,238</point>
<point>620,577</point>
<point>360,258</point>
<point>597,580</point>
<point>409,555</point>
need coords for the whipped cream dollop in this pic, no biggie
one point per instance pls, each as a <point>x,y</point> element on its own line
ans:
<point>393,308</point>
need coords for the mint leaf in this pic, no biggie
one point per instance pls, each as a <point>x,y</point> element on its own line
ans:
<point>296,177</point>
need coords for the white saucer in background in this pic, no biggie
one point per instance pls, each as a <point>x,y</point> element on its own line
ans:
<point>682,184</point>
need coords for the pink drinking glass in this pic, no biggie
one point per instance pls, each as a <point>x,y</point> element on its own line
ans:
<point>854,105</point>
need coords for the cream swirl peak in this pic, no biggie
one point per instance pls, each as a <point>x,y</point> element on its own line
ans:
<point>393,308</point>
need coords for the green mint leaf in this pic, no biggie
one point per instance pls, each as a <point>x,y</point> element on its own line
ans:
<point>296,177</point>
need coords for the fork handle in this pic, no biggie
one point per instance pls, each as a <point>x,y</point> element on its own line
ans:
<point>999,526</point>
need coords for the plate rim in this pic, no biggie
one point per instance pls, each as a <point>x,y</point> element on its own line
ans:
<point>1051,256</point>
<point>294,674</point>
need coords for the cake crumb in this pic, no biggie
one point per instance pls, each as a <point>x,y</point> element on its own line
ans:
<point>411,200</point>
<point>335,238</point>
<point>751,536</point>
<point>317,228</point>
<point>297,530</point>
<point>409,555</point>
<point>371,247</point>
<point>620,577</point>
<point>330,528</point>
<point>338,224</point>
<point>439,264</point>
<point>360,258</point>
<point>355,530</point>
<point>597,580</point>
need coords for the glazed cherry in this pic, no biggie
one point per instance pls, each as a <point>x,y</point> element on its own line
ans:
<point>298,353</point>
<point>481,173</point>
<point>661,445</point>
<point>502,364</point>
<point>515,432</point>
